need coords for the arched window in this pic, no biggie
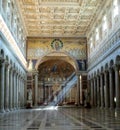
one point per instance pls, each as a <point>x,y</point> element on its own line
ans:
<point>4,5</point>
<point>91,43</point>
<point>115,8</point>
<point>97,34</point>
<point>104,23</point>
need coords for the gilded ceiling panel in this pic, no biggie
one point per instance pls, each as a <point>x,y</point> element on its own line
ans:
<point>38,13</point>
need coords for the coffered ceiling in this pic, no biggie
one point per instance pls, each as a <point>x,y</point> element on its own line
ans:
<point>58,18</point>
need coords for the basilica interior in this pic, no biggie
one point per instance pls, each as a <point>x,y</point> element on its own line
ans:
<point>59,64</point>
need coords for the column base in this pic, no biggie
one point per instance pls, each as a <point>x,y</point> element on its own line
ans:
<point>2,111</point>
<point>101,107</point>
<point>106,108</point>
<point>117,109</point>
<point>7,110</point>
<point>112,108</point>
<point>11,109</point>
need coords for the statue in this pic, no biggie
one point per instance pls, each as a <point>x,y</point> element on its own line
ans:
<point>29,94</point>
<point>30,65</point>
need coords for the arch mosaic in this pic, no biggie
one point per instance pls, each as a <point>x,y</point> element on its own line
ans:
<point>64,56</point>
<point>71,49</point>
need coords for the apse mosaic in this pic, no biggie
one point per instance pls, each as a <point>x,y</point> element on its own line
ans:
<point>40,47</point>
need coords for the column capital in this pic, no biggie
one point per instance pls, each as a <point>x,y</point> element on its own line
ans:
<point>14,70</point>
<point>2,60</point>
<point>98,75</point>
<point>78,74</point>
<point>110,69</point>
<point>7,63</point>
<point>106,71</point>
<point>36,72</point>
<point>95,77</point>
<point>102,72</point>
<point>116,67</point>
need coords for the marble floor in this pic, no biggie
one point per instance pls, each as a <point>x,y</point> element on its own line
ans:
<point>61,118</point>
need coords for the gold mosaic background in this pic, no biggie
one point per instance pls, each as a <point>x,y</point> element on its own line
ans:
<point>38,47</point>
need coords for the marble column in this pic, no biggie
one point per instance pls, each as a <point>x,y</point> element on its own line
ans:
<point>92,93</point>
<point>2,82</point>
<point>95,92</point>
<point>14,86</point>
<point>106,89</point>
<point>7,87</point>
<point>36,89</point>
<point>102,90</point>
<point>21,92</point>
<point>49,93</point>
<point>117,87</point>
<point>16,83</point>
<point>98,91</point>
<point>25,92</point>
<point>19,85</point>
<point>81,92</point>
<point>111,88</point>
<point>78,90</point>
<point>17,80</point>
<point>11,88</point>
<point>43,92</point>
<point>15,94</point>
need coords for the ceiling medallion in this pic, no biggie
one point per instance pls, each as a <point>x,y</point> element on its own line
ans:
<point>57,44</point>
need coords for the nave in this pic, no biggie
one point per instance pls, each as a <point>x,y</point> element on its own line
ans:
<point>61,118</point>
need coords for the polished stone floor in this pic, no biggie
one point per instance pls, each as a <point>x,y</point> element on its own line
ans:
<point>61,118</point>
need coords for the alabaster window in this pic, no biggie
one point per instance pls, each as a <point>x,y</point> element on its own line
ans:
<point>115,7</point>
<point>8,11</point>
<point>97,34</point>
<point>23,44</point>
<point>110,20</point>
<point>12,18</point>
<point>104,24</point>
<point>15,24</point>
<point>4,5</point>
<point>91,43</point>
